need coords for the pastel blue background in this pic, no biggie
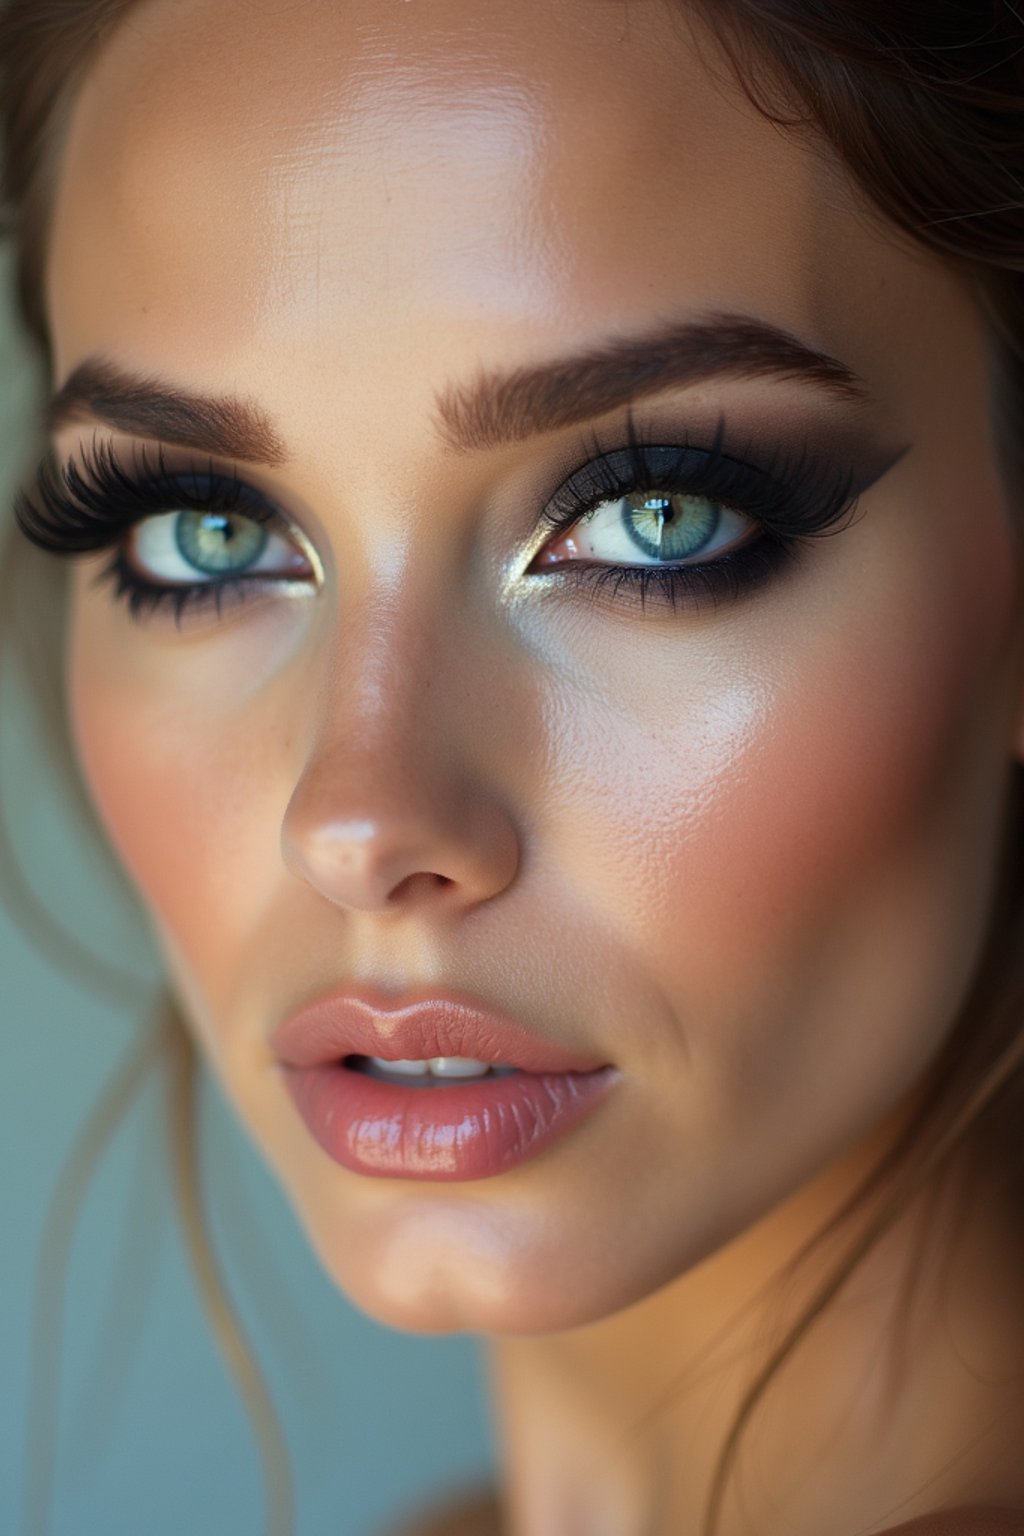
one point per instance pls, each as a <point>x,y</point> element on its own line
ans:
<point>152,1436</point>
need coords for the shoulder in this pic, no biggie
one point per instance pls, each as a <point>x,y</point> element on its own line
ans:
<point>965,1520</point>
<point>473,1513</point>
<point>479,1514</point>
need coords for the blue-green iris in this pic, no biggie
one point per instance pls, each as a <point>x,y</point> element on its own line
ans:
<point>669,527</point>
<point>215,542</point>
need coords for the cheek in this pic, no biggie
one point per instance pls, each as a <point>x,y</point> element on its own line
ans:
<point>183,758</point>
<point>793,823</point>
<point>760,820</point>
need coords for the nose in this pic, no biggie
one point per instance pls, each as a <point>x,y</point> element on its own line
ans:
<point>381,853</point>
<point>394,811</point>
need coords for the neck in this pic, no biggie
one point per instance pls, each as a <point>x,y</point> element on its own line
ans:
<point>884,1411</point>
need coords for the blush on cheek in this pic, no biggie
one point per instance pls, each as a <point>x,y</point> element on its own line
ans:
<point>832,899</point>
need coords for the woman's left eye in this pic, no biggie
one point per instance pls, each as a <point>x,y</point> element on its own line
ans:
<point>650,528</point>
<point>175,548</point>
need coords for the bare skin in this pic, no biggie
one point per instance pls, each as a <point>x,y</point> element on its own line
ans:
<point>744,851</point>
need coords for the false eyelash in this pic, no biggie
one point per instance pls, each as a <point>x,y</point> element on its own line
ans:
<point>793,495</point>
<point>77,511</point>
<point>81,511</point>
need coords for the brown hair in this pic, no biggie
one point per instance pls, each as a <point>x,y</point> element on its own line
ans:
<point>924,105</point>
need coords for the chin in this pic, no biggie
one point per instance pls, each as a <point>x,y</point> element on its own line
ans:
<point>453,1271</point>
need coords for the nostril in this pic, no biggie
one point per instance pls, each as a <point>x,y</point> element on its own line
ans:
<point>423,883</point>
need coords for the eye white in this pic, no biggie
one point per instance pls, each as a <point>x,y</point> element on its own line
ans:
<point>153,550</point>
<point>601,535</point>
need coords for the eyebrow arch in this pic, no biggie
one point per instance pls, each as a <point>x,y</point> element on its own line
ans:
<point>224,425</point>
<point>497,409</point>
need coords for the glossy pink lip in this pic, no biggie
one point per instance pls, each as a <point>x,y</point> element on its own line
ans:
<point>470,1129</point>
<point>368,1023</point>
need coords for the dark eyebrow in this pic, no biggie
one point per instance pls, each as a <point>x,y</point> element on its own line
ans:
<point>493,410</point>
<point>218,424</point>
<point>496,409</point>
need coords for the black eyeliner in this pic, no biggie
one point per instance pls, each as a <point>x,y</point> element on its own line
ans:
<point>78,511</point>
<point>793,492</point>
<point>81,511</point>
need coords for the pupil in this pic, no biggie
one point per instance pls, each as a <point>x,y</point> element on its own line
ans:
<point>661,506</point>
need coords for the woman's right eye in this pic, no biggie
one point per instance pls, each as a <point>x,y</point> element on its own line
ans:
<point>182,539</point>
<point>172,548</point>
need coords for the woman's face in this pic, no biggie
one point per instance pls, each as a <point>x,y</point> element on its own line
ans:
<point>738,840</point>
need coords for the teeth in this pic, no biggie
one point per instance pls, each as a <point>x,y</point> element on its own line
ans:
<point>438,1066</point>
<point>457,1066</point>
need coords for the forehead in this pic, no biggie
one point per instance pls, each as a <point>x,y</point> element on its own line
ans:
<point>381,178</point>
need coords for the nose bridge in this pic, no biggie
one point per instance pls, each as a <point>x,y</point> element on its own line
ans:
<point>395,805</point>
<point>380,687</point>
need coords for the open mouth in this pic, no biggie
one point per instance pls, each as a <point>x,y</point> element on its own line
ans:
<point>438,1071</point>
<point>484,1120</point>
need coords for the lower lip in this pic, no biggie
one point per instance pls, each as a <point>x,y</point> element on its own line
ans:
<point>469,1130</point>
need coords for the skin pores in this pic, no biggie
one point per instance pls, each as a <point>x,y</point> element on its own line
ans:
<point>745,852</point>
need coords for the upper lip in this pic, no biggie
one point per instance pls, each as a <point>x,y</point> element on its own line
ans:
<point>415,1028</point>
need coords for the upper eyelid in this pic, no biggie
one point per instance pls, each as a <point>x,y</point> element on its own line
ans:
<point>139,469</point>
<point>720,443</point>
<point>136,462</point>
<point>573,497</point>
<point>742,448</point>
<point>593,496</point>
